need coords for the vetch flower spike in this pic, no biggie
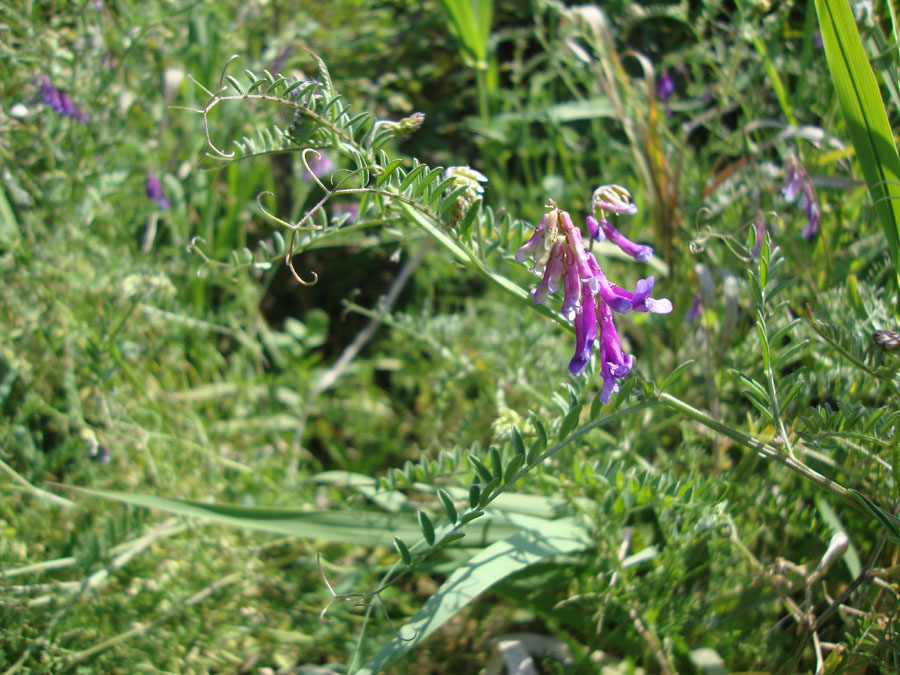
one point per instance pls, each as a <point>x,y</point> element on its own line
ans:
<point>615,199</point>
<point>590,299</point>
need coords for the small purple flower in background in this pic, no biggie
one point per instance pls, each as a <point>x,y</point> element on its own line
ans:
<point>665,87</point>
<point>798,183</point>
<point>589,298</point>
<point>810,203</point>
<point>696,310</point>
<point>60,103</point>
<point>155,191</point>
<point>350,209</point>
<point>321,166</point>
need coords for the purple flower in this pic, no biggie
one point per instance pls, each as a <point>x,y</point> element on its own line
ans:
<point>593,228</point>
<point>793,179</point>
<point>571,306</point>
<point>612,295</point>
<point>60,103</point>
<point>614,199</point>
<point>585,333</point>
<point>615,364</point>
<point>665,86</point>
<point>541,243</point>
<point>797,183</point>
<point>155,191</point>
<point>696,309</point>
<point>639,252</point>
<point>552,272</point>
<point>50,96</point>
<point>810,203</point>
<point>641,300</point>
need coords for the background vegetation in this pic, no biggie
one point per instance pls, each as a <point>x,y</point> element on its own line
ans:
<point>248,449</point>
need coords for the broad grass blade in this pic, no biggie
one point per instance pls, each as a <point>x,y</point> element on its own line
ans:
<point>474,577</point>
<point>865,116</point>
<point>362,528</point>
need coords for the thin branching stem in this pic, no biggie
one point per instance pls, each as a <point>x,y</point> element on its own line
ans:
<point>762,448</point>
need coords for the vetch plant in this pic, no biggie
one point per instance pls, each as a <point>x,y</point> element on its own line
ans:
<point>468,496</point>
<point>446,206</point>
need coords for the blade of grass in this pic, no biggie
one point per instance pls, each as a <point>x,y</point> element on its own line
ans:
<point>864,113</point>
<point>362,528</point>
<point>471,579</point>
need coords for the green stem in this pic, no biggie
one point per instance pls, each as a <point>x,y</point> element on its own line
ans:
<point>14,476</point>
<point>766,450</point>
<point>775,79</point>
<point>770,385</point>
<point>472,260</point>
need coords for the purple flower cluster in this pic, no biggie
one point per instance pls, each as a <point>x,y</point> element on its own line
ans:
<point>797,183</point>
<point>589,298</point>
<point>60,103</point>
